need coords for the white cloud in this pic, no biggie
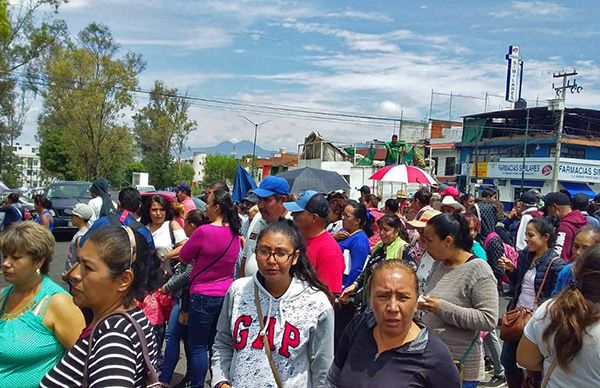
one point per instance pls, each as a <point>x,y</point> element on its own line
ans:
<point>313,47</point>
<point>194,39</point>
<point>355,14</point>
<point>530,8</point>
<point>388,107</point>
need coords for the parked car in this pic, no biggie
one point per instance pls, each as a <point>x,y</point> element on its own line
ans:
<point>64,195</point>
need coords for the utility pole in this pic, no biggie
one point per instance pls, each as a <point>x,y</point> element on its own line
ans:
<point>561,92</point>
<point>253,169</point>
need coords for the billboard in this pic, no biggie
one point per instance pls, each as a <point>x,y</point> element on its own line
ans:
<point>513,74</point>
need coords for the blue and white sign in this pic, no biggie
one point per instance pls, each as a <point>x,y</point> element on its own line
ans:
<point>513,75</point>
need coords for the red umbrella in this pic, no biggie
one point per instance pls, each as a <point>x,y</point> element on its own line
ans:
<point>404,174</point>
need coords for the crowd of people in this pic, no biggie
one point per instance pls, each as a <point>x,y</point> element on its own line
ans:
<point>309,290</point>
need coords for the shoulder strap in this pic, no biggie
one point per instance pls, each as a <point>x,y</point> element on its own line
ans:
<point>549,372</point>
<point>539,293</point>
<point>489,237</point>
<point>466,353</point>
<point>266,344</point>
<point>171,233</point>
<point>214,261</point>
<point>151,376</point>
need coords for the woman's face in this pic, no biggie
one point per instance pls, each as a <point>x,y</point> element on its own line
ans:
<point>157,213</point>
<point>349,221</point>
<point>332,216</point>
<point>189,228</point>
<point>473,229</point>
<point>19,268</point>
<point>387,233</point>
<point>438,248</point>
<point>393,299</point>
<point>535,241</point>
<point>93,285</point>
<point>581,243</point>
<point>212,209</point>
<point>275,255</point>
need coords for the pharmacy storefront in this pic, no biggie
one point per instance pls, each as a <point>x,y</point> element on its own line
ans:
<point>574,175</point>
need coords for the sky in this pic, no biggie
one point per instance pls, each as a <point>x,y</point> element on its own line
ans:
<point>287,62</point>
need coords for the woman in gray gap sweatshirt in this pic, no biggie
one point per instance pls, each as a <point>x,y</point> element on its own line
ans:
<point>461,295</point>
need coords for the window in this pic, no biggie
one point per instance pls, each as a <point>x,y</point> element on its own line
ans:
<point>572,152</point>
<point>450,167</point>
<point>435,165</point>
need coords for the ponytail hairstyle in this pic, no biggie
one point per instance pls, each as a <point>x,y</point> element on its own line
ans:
<point>575,308</point>
<point>393,221</point>
<point>302,270</point>
<point>229,213</point>
<point>544,227</point>
<point>454,225</point>
<point>365,218</point>
<point>116,251</point>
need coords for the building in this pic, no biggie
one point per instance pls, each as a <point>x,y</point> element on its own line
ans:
<point>444,154</point>
<point>197,161</point>
<point>515,149</point>
<point>279,162</point>
<point>29,166</point>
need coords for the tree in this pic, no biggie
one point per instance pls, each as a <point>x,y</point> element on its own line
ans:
<point>128,173</point>
<point>24,43</point>
<point>181,172</point>
<point>89,87</point>
<point>219,168</point>
<point>161,130</point>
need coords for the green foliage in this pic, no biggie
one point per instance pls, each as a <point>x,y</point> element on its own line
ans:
<point>128,173</point>
<point>161,130</point>
<point>181,172</point>
<point>219,167</point>
<point>88,91</point>
<point>5,28</point>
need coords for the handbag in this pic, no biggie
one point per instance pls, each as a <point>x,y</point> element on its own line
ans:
<point>460,363</point>
<point>266,344</point>
<point>185,300</point>
<point>513,322</point>
<point>151,376</point>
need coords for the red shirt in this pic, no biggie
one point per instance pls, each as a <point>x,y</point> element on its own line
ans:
<point>326,257</point>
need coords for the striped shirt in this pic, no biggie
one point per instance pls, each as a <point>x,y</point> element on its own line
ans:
<point>116,359</point>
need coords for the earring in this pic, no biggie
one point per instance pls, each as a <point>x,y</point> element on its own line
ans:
<point>37,272</point>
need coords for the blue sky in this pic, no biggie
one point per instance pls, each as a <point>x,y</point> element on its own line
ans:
<point>376,58</point>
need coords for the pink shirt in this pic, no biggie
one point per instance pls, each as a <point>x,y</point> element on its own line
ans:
<point>326,257</point>
<point>188,206</point>
<point>206,244</point>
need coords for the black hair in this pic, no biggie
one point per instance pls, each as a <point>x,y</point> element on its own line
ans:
<point>487,193</point>
<point>169,214</point>
<point>130,199</point>
<point>392,205</point>
<point>43,201</point>
<point>303,269</point>
<point>13,197</point>
<point>454,225</point>
<point>219,185</point>
<point>423,195</point>
<point>393,221</point>
<point>115,251</point>
<point>396,264</point>
<point>230,215</point>
<point>544,227</point>
<point>365,218</point>
<point>580,202</point>
<point>196,217</point>
<point>465,198</point>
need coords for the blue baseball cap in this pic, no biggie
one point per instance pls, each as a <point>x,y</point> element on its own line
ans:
<point>310,201</point>
<point>184,187</point>
<point>272,185</point>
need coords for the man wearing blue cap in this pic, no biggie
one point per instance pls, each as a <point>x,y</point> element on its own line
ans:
<point>272,192</point>
<point>310,215</point>
<point>184,197</point>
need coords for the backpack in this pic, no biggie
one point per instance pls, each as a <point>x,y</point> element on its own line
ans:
<point>509,251</point>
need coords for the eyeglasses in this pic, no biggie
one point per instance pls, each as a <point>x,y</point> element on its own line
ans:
<point>263,254</point>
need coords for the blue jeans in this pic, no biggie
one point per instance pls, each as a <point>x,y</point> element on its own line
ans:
<point>470,384</point>
<point>509,358</point>
<point>202,327</point>
<point>175,333</point>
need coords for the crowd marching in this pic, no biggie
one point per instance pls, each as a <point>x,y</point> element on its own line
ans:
<point>310,290</point>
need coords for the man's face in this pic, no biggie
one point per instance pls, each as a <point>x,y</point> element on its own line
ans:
<point>394,139</point>
<point>304,221</point>
<point>271,208</point>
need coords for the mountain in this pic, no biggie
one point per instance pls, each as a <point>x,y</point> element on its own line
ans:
<point>228,148</point>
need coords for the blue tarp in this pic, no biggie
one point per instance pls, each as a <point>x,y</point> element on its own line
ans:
<point>242,184</point>
<point>576,188</point>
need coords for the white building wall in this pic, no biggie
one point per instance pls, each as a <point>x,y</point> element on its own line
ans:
<point>198,162</point>
<point>29,166</point>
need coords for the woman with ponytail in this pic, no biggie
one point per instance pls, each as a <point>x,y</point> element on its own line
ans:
<point>283,305</point>
<point>461,296</point>
<point>562,337</point>
<point>213,248</point>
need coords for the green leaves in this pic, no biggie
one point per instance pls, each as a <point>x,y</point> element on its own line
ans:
<point>219,168</point>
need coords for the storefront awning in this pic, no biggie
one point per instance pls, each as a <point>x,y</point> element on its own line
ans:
<point>576,188</point>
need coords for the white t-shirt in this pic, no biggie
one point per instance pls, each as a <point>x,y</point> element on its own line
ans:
<point>584,371</point>
<point>96,205</point>
<point>527,296</point>
<point>162,237</point>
